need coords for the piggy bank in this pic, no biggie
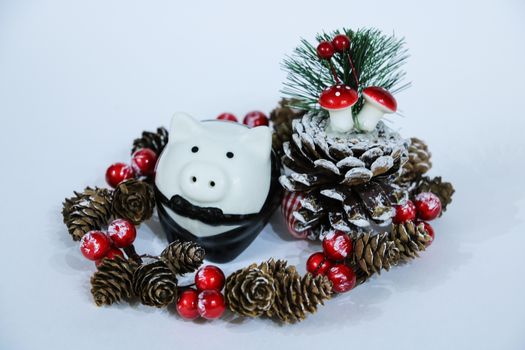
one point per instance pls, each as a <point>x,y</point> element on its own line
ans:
<point>216,184</point>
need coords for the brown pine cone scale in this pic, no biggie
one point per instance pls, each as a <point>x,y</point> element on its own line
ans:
<point>250,291</point>
<point>374,253</point>
<point>409,239</point>
<point>156,141</point>
<point>183,257</point>
<point>134,200</point>
<point>113,281</point>
<point>155,284</point>
<point>295,296</point>
<point>418,161</point>
<point>86,211</point>
<point>282,118</point>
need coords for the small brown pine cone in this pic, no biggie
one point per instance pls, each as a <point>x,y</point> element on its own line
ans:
<point>288,297</point>
<point>418,161</point>
<point>86,211</point>
<point>282,118</point>
<point>183,257</point>
<point>372,253</point>
<point>444,190</point>
<point>155,284</point>
<point>250,291</point>
<point>156,141</point>
<point>316,289</point>
<point>133,200</point>
<point>273,267</point>
<point>409,239</point>
<point>295,296</point>
<point>113,280</point>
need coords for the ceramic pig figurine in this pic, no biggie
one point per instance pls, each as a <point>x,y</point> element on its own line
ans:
<point>215,181</point>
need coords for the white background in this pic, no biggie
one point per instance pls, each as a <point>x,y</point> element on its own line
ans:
<point>79,81</point>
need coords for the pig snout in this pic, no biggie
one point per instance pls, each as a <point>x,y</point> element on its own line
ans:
<point>203,182</point>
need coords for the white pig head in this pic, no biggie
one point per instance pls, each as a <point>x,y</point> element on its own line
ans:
<point>215,164</point>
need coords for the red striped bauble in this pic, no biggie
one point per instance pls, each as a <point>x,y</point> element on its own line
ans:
<point>291,203</point>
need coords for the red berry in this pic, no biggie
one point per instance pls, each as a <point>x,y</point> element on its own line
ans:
<point>111,254</point>
<point>342,277</point>
<point>209,277</point>
<point>187,304</point>
<point>117,173</point>
<point>405,212</point>
<point>341,43</point>
<point>325,50</point>
<point>256,118</point>
<point>211,304</point>
<point>122,233</point>
<point>428,206</point>
<point>429,230</point>
<point>94,245</point>
<point>143,161</point>
<point>337,245</point>
<point>318,264</point>
<point>227,116</point>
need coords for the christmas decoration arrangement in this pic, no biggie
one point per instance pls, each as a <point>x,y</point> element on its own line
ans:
<point>344,178</point>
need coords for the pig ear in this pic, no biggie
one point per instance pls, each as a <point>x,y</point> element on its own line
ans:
<point>183,127</point>
<point>258,140</point>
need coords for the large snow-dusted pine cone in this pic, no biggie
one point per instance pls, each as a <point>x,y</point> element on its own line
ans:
<point>347,179</point>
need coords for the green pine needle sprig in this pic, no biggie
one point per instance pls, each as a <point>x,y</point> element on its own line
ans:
<point>378,60</point>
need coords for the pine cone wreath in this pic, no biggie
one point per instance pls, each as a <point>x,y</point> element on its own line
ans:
<point>348,180</point>
<point>134,200</point>
<point>444,190</point>
<point>86,211</point>
<point>156,141</point>
<point>155,284</point>
<point>409,239</point>
<point>418,161</point>
<point>372,253</point>
<point>296,296</point>
<point>281,118</point>
<point>250,291</point>
<point>183,257</point>
<point>113,280</point>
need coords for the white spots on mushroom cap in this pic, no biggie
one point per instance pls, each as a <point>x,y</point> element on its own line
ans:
<point>337,93</point>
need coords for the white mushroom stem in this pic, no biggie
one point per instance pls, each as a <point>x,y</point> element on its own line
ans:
<point>369,116</point>
<point>341,119</point>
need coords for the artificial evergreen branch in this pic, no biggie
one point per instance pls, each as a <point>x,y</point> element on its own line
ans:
<point>378,60</point>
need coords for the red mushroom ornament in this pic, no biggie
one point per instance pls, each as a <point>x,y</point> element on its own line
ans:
<point>338,101</point>
<point>378,102</point>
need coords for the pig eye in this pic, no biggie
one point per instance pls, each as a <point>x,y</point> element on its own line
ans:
<point>195,149</point>
<point>229,154</point>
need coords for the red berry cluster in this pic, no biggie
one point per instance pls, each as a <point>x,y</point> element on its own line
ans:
<point>252,119</point>
<point>337,246</point>
<point>341,44</point>
<point>143,163</point>
<point>326,49</point>
<point>426,207</point>
<point>96,245</point>
<point>207,300</point>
